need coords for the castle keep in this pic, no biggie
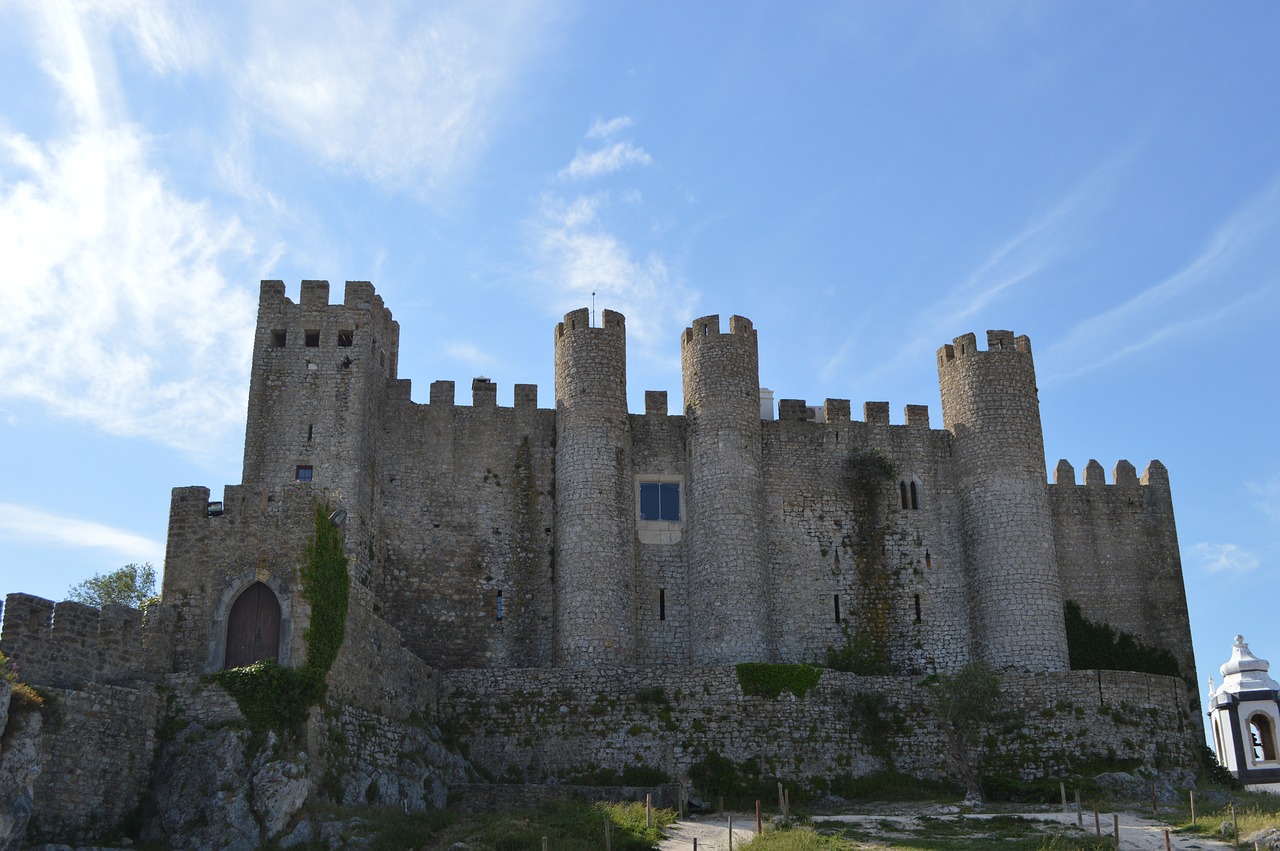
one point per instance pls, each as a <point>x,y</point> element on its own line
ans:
<point>528,575</point>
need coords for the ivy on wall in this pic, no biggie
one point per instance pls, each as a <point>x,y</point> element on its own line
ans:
<point>1096,645</point>
<point>273,696</point>
<point>766,679</point>
<point>866,651</point>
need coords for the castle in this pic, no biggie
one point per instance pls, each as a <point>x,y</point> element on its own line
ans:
<point>522,573</point>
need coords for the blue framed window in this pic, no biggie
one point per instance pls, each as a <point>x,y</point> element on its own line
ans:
<point>304,474</point>
<point>660,501</point>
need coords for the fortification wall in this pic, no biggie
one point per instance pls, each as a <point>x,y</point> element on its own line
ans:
<point>210,558</point>
<point>540,725</point>
<point>98,752</point>
<point>894,566</point>
<point>1117,550</point>
<point>465,513</point>
<point>66,643</point>
<point>663,611</point>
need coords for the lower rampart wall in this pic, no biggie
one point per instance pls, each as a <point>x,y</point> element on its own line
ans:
<point>536,725</point>
<point>97,746</point>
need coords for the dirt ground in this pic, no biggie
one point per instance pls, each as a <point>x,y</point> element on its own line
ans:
<point>1136,833</point>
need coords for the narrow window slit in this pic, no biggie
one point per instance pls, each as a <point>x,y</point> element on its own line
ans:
<point>662,604</point>
<point>498,607</point>
<point>915,499</point>
<point>902,493</point>
<point>310,432</point>
<point>835,598</point>
<point>917,608</point>
<point>928,560</point>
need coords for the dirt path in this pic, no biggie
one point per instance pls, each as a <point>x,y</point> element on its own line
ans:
<point>1136,833</point>
<point>712,832</point>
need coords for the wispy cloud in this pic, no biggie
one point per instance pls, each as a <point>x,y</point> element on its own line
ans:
<point>1224,558</point>
<point>615,157</point>
<point>1268,494</point>
<point>1010,264</point>
<point>402,93</point>
<point>601,129</point>
<point>115,281</point>
<point>1236,268</point>
<point>578,254</point>
<point>469,354</point>
<point>20,523</point>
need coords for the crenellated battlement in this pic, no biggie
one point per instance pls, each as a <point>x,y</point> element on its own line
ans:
<point>611,323</point>
<point>1123,475</point>
<point>839,412</point>
<point>361,322</point>
<point>966,345</point>
<point>68,643</point>
<point>709,326</point>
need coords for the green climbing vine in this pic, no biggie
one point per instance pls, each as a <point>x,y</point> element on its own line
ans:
<point>1095,645</point>
<point>765,679</point>
<point>866,646</point>
<point>273,696</point>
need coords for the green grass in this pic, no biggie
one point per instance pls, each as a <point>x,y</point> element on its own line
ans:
<point>1255,811</point>
<point>569,827</point>
<point>1009,833</point>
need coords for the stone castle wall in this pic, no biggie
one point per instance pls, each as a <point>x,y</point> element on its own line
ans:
<point>556,725</point>
<point>67,643</point>
<point>1113,539</point>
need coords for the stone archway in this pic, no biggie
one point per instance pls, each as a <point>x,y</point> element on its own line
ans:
<point>253,627</point>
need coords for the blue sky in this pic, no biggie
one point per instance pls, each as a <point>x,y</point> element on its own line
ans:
<point>865,181</point>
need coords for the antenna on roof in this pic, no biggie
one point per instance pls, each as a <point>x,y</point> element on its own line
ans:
<point>593,308</point>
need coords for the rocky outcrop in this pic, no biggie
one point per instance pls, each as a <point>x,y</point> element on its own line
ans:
<point>20,764</point>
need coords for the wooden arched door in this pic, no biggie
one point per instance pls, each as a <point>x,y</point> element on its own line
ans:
<point>253,627</point>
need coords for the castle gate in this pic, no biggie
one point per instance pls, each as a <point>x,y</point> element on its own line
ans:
<point>253,628</point>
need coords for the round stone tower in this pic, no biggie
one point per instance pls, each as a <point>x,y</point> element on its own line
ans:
<point>728,577</point>
<point>990,405</point>
<point>595,506</point>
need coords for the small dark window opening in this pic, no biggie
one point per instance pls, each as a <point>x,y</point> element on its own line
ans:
<point>928,559</point>
<point>917,608</point>
<point>902,491</point>
<point>345,338</point>
<point>278,339</point>
<point>915,498</point>
<point>313,339</point>
<point>303,473</point>
<point>662,604</point>
<point>498,607</point>
<point>310,432</point>
<point>1264,741</point>
<point>835,598</point>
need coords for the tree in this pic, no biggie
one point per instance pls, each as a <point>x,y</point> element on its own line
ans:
<point>132,585</point>
<point>963,702</point>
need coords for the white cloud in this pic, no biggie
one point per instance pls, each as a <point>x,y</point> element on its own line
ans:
<point>20,523</point>
<point>1224,558</point>
<point>578,255</point>
<point>115,297</point>
<point>469,354</point>
<point>401,92</point>
<point>615,157</point>
<point>1268,494</point>
<point>601,129</point>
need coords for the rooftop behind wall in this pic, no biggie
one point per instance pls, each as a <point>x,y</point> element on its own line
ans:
<point>67,643</point>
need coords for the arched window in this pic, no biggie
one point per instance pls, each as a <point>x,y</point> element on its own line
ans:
<point>1264,738</point>
<point>902,491</point>
<point>915,497</point>
<point>253,627</point>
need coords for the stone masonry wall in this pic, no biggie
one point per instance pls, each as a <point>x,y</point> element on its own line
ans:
<point>98,751</point>
<point>990,404</point>
<point>1114,538</point>
<point>822,544</point>
<point>68,643</point>
<point>539,725</point>
<point>465,512</point>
